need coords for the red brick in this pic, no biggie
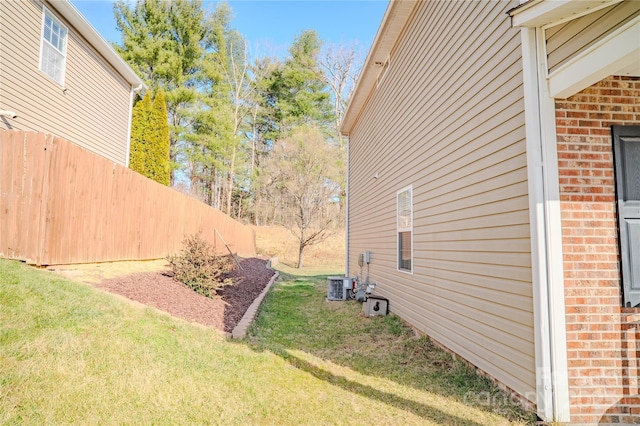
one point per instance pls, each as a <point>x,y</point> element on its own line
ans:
<point>622,117</point>
<point>579,131</point>
<point>622,100</point>
<point>598,115</point>
<point>606,363</point>
<point>587,194</point>
<point>612,92</point>
<point>577,114</point>
<point>568,155</point>
<point>588,123</point>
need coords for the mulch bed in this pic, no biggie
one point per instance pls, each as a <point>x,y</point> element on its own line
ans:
<point>160,290</point>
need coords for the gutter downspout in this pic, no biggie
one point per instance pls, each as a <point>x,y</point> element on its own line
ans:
<point>346,217</point>
<point>552,383</point>
<point>132,93</point>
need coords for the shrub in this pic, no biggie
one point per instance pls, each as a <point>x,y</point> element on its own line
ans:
<point>198,267</point>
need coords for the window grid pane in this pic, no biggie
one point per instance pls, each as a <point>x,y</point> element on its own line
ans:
<point>54,45</point>
<point>52,62</point>
<point>404,255</point>
<point>404,209</point>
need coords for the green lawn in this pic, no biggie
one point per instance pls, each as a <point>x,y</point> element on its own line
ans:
<point>71,354</point>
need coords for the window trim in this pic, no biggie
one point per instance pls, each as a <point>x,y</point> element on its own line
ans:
<point>46,12</point>
<point>401,229</point>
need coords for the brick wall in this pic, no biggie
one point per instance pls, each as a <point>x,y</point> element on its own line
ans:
<point>601,336</point>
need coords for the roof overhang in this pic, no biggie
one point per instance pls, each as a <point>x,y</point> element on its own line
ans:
<point>69,12</point>
<point>393,22</point>
<point>617,53</point>
<point>545,13</point>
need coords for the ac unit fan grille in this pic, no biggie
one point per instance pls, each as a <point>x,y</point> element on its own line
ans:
<point>335,289</point>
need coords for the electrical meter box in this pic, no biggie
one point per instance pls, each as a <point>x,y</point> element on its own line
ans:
<point>376,306</point>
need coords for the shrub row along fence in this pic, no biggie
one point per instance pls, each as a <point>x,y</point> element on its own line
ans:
<point>61,204</point>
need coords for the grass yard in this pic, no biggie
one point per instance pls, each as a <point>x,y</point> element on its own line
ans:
<point>72,354</point>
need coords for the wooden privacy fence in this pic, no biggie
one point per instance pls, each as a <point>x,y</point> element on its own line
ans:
<point>61,204</point>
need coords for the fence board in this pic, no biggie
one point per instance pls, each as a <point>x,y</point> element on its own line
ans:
<point>60,204</point>
<point>34,205</point>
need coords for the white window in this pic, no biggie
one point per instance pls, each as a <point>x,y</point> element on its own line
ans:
<point>53,46</point>
<point>405,229</point>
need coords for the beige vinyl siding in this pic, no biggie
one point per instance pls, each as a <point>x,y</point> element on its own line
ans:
<point>93,112</point>
<point>565,40</point>
<point>448,118</point>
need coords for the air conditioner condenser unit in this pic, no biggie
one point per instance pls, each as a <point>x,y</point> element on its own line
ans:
<point>339,288</point>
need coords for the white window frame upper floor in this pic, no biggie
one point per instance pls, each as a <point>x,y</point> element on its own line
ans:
<point>404,224</point>
<point>53,46</point>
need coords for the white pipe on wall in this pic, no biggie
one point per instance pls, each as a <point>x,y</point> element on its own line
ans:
<point>7,113</point>
<point>133,92</point>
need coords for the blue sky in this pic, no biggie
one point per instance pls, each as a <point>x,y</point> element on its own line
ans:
<point>271,25</point>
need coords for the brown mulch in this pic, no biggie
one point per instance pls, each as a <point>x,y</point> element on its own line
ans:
<point>160,290</point>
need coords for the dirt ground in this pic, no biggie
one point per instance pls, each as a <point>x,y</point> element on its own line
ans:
<point>151,283</point>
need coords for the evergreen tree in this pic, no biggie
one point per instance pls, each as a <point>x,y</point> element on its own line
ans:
<point>295,92</point>
<point>224,117</point>
<point>139,125</point>
<point>157,165</point>
<point>163,42</point>
<point>304,96</point>
<point>149,153</point>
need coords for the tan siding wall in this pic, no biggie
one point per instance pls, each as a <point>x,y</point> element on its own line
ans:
<point>94,110</point>
<point>448,119</point>
<point>565,40</point>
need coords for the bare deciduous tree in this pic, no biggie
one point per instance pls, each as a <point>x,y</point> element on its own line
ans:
<point>341,65</point>
<point>303,176</point>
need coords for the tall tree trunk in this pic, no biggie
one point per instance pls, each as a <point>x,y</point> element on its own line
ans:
<point>301,245</point>
<point>230,177</point>
<point>239,211</point>
<point>212,192</point>
<point>300,250</point>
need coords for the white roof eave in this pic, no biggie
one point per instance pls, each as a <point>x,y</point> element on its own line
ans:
<point>80,23</point>
<point>393,22</point>
<point>547,13</point>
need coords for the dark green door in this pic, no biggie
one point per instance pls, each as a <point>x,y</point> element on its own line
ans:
<point>626,151</point>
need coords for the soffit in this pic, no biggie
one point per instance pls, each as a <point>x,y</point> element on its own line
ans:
<point>545,13</point>
<point>393,22</point>
<point>617,53</point>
